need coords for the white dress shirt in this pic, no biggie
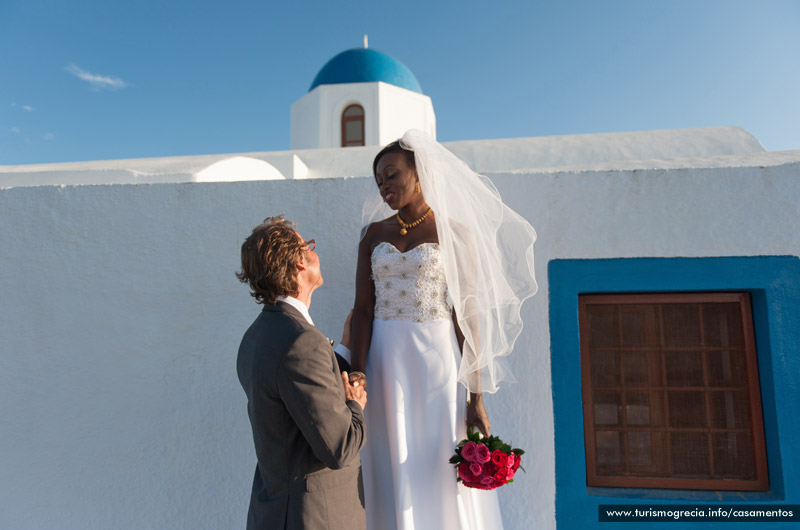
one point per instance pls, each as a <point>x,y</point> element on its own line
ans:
<point>341,349</point>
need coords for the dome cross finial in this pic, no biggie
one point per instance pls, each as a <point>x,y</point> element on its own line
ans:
<point>366,41</point>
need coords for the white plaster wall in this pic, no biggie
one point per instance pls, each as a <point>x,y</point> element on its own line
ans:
<point>703,147</point>
<point>318,123</point>
<point>400,110</point>
<point>306,130</point>
<point>120,318</point>
<point>389,111</point>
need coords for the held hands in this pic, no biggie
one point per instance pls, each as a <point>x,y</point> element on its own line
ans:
<point>355,390</point>
<point>476,414</point>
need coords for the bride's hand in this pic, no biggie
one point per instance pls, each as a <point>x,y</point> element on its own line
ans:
<point>476,414</point>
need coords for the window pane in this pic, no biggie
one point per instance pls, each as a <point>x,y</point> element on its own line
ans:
<point>681,324</point>
<point>603,327</point>
<point>608,448</point>
<point>684,368</point>
<point>722,325</point>
<point>733,456</point>
<point>605,368</point>
<point>638,325</point>
<point>690,456</point>
<point>353,131</point>
<point>726,368</point>
<point>730,410</point>
<point>640,449</point>
<point>637,368</point>
<point>646,451</point>
<point>606,408</point>
<point>354,110</point>
<point>637,409</point>
<point>687,409</point>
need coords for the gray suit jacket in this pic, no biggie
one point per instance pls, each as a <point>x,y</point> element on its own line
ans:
<point>307,438</point>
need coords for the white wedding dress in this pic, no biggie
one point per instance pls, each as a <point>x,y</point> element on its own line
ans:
<point>416,410</point>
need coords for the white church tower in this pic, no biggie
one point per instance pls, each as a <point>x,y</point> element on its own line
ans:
<point>360,97</point>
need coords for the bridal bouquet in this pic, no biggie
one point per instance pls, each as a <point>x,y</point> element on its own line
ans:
<point>485,463</point>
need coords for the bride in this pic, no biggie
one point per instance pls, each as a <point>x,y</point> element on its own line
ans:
<point>439,285</point>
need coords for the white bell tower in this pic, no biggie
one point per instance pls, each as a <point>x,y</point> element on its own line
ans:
<point>360,97</point>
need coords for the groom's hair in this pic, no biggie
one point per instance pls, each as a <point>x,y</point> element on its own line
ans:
<point>269,260</point>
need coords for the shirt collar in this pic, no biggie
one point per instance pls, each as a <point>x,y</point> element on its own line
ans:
<point>297,304</point>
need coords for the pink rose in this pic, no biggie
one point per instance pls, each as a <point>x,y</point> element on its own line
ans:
<point>476,469</point>
<point>499,458</point>
<point>510,474</point>
<point>510,460</point>
<point>487,480</point>
<point>468,451</point>
<point>482,454</point>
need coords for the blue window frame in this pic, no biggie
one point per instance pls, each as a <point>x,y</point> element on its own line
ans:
<point>773,283</point>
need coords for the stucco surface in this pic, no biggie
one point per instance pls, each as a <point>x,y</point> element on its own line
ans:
<point>120,319</point>
<point>630,150</point>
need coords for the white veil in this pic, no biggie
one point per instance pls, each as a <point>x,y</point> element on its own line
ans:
<point>487,250</point>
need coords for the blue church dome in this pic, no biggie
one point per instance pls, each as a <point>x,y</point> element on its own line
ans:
<point>363,65</point>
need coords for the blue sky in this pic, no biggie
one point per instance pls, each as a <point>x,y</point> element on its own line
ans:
<point>91,79</point>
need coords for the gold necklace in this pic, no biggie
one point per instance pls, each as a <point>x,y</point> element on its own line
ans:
<point>406,226</point>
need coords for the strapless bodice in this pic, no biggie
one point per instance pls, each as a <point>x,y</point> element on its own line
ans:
<point>409,285</point>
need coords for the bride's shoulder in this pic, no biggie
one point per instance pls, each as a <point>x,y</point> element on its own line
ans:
<point>373,234</point>
<point>377,230</point>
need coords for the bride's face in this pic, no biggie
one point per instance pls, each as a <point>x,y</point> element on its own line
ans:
<point>396,180</point>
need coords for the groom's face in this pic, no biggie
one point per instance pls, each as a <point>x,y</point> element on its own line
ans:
<point>310,260</point>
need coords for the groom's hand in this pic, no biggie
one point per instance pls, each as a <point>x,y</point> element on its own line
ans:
<point>355,391</point>
<point>358,379</point>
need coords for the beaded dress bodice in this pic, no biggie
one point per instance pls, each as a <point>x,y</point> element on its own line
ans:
<point>409,285</point>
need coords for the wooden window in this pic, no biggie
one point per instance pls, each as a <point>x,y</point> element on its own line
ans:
<point>670,392</point>
<point>353,126</point>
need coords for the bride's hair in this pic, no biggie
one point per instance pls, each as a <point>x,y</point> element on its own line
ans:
<point>394,147</point>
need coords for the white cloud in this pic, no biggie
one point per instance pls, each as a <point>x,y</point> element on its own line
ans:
<point>49,136</point>
<point>97,81</point>
<point>28,108</point>
<point>15,130</point>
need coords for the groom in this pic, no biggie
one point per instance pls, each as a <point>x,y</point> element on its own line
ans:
<point>307,419</point>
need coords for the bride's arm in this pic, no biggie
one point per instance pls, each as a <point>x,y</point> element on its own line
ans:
<point>476,412</point>
<point>364,305</point>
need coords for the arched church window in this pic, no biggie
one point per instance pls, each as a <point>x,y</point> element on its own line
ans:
<point>353,126</point>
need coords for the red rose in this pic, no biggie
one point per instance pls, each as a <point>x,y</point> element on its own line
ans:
<point>463,471</point>
<point>501,476</point>
<point>516,462</point>
<point>499,458</point>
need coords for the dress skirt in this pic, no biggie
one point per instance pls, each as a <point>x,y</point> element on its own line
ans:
<point>415,416</point>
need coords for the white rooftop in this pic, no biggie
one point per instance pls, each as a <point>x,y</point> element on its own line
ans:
<point>647,149</point>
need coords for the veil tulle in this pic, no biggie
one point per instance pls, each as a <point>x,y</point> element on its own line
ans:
<point>487,251</point>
